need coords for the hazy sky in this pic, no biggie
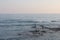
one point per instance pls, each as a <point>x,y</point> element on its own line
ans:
<point>29,6</point>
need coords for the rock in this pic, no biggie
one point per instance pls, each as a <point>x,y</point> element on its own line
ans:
<point>19,34</point>
<point>53,21</point>
<point>35,32</point>
<point>55,29</point>
<point>43,31</point>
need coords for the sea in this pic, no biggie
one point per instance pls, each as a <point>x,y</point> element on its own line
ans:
<point>11,25</point>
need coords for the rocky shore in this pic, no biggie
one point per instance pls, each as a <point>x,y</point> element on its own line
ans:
<point>40,31</point>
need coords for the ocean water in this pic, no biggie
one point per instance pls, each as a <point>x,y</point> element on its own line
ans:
<point>13,24</point>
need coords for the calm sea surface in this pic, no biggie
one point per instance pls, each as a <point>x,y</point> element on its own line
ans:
<point>13,24</point>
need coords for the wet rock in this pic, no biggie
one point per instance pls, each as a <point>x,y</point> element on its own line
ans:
<point>19,34</point>
<point>55,29</point>
<point>34,31</point>
<point>53,21</point>
<point>37,33</point>
<point>43,31</point>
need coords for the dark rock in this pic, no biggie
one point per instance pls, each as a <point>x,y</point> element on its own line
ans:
<point>35,32</point>
<point>43,31</point>
<point>53,21</point>
<point>19,34</point>
<point>55,29</point>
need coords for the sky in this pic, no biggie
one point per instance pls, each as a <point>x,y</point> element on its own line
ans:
<point>29,6</point>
